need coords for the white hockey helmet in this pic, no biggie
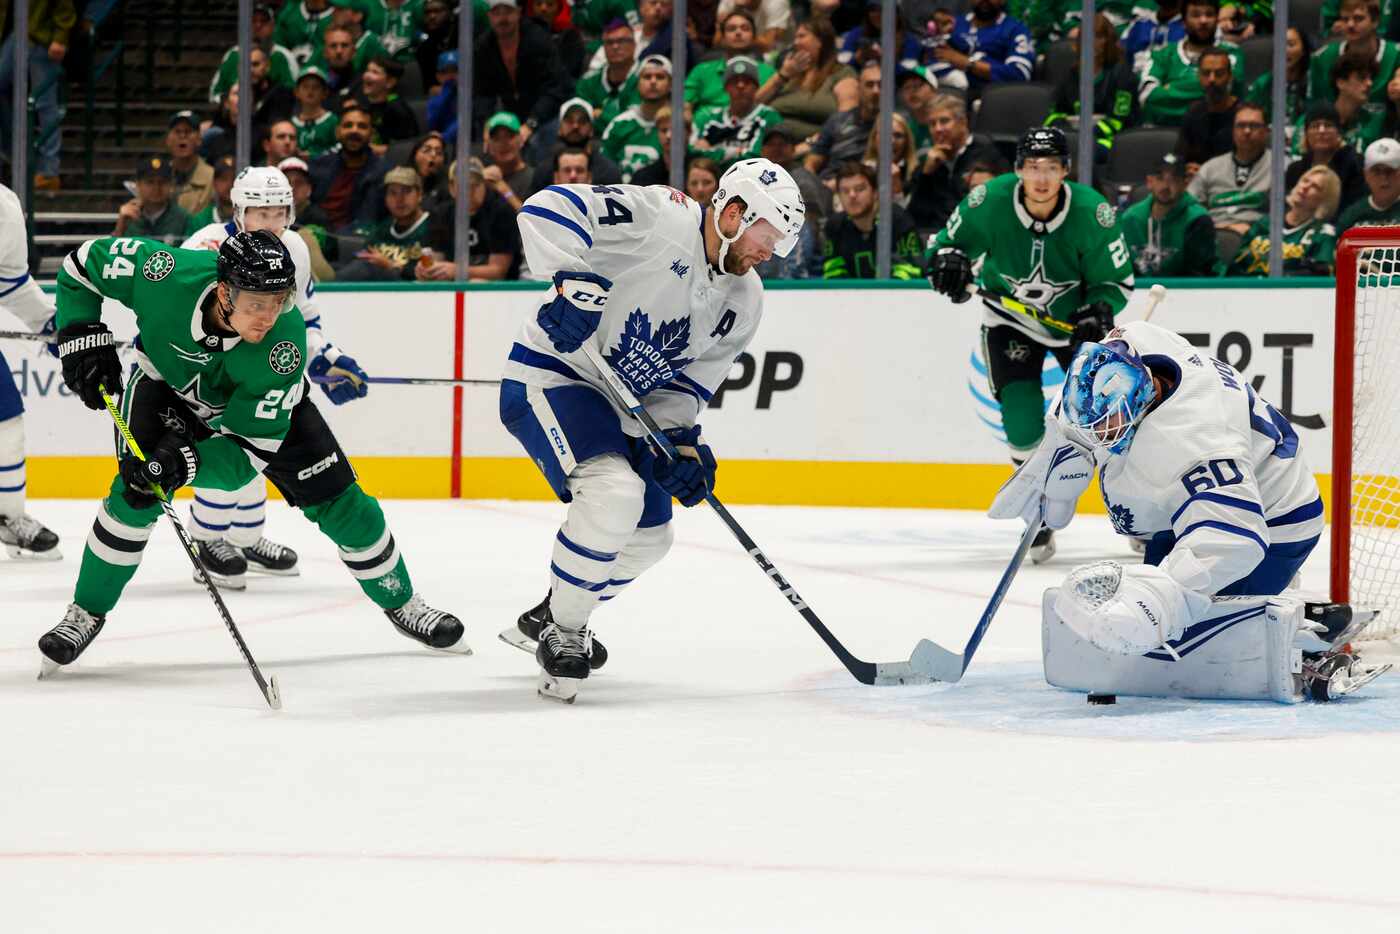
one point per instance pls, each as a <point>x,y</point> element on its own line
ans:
<point>262,186</point>
<point>768,193</point>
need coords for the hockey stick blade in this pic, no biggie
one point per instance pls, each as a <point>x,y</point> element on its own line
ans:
<point>873,673</point>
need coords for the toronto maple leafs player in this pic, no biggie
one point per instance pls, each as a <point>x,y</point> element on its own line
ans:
<point>228,524</point>
<point>1193,460</point>
<point>663,288</point>
<point>20,534</point>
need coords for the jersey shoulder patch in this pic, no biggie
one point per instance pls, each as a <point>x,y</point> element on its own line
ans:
<point>284,358</point>
<point>158,265</point>
<point>1105,215</point>
<point>977,196</point>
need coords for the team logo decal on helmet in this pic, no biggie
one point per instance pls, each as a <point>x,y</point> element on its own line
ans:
<point>160,265</point>
<point>284,358</point>
<point>768,177</point>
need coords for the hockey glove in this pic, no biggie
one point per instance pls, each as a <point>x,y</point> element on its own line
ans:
<point>691,477</point>
<point>171,464</point>
<point>950,273</point>
<point>352,383</point>
<point>89,361</point>
<point>1091,323</point>
<point>1049,483</point>
<point>576,311</point>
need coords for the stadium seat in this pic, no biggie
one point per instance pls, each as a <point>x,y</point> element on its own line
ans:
<point>411,84</point>
<point>1227,244</point>
<point>1059,62</point>
<point>1258,53</point>
<point>1008,109</point>
<point>1135,152</point>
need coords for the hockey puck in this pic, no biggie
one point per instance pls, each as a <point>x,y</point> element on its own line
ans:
<point>1103,698</point>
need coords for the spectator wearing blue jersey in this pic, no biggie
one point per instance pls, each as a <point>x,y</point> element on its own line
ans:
<point>989,47</point>
<point>1148,33</point>
<point>862,42</point>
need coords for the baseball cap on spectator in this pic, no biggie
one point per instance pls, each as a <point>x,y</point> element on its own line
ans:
<point>447,61</point>
<point>474,167</point>
<point>183,116</point>
<point>1322,110</point>
<point>503,118</point>
<point>263,9</point>
<point>576,103</point>
<point>313,71</point>
<point>225,165</point>
<point>783,130</point>
<point>292,164</point>
<point>655,61</point>
<point>402,175</point>
<point>903,74</point>
<point>1383,152</point>
<point>1170,165</point>
<point>740,66</point>
<point>155,167</point>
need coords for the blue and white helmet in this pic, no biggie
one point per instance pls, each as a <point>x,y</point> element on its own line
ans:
<point>1108,390</point>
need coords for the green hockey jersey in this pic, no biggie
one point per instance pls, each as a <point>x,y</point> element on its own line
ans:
<point>704,85</point>
<point>1172,85</point>
<point>632,142</point>
<point>1076,258</point>
<point>1180,244</point>
<point>316,137</point>
<point>1364,213</point>
<point>592,15</point>
<point>608,101</point>
<point>397,27</point>
<point>299,28</point>
<point>721,136</point>
<point>243,392</point>
<point>283,70</point>
<point>1308,250</point>
<point>1320,73</point>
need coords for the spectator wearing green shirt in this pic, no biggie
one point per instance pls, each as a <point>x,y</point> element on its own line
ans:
<point>341,64</point>
<point>315,124</point>
<point>299,27</point>
<point>1359,20</point>
<point>1172,84</point>
<point>850,235</point>
<point>1353,77</point>
<point>220,209</point>
<point>631,140</point>
<point>734,131</point>
<point>397,23</point>
<point>1381,208</point>
<point>1309,241</point>
<point>283,66</point>
<point>613,88</point>
<point>1298,49</point>
<point>704,85</point>
<point>153,212</point>
<point>394,245</point>
<point>1168,232</point>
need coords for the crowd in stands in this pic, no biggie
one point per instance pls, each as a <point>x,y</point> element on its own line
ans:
<point>356,100</point>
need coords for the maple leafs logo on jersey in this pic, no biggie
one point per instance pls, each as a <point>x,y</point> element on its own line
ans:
<point>1122,518</point>
<point>645,360</point>
<point>160,265</point>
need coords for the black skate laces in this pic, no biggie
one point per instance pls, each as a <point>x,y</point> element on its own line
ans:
<point>77,626</point>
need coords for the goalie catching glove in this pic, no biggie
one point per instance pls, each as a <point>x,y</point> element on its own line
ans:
<point>1047,487</point>
<point>693,476</point>
<point>169,465</point>
<point>1127,609</point>
<point>576,311</point>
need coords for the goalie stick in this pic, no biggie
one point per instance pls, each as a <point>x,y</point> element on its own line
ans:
<point>918,670</point>
<point>269,689</point>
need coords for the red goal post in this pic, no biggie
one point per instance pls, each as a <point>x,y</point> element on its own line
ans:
<point>1366,425</point>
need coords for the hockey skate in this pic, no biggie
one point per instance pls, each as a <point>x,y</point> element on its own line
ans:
<point>563,655</point>
<point>1043,548</point>
<point>525,636</point>
<point>1330,675</point>
<point>268,557</point>
<point>62,644</point>
<point>25,537</point>
<point>437,629</point>
<point>227,568</point>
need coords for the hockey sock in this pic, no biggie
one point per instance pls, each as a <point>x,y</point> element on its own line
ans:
<point>250,514</point>
<point>644,549</point>
<point>211,513</point>
<point>354,521</point>
<point>1023,416</point>
<point>113,551</point>
<point>12,473</point>
<point>607,504</point>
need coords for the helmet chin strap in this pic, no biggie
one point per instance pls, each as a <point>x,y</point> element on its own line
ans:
<point>724,242</point>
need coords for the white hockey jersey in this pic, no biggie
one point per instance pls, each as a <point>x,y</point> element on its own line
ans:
<point>212,236</point>
<point>672,326</point>
<point>1213,463</point>
<point>19,293</point>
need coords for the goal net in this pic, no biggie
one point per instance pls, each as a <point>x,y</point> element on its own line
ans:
<point>1366,428</point>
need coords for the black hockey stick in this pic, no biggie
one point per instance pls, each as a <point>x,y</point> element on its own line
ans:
<point>407,380</point>
<point>45,338</point>
<point>915,671</point>
<point>268,687</point>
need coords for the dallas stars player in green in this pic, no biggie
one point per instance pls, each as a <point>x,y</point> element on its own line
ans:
<point>1048,242</point>
<point>219,393</point>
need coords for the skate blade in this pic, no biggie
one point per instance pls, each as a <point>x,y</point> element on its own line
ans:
<point>459,647</point>
<point>564,690</point>
<point>222,582</point>
<point>1042,554</point>
<point>17,553</point>
<point>293,571</point>
<point>514,637</point>
<point>48,667</point>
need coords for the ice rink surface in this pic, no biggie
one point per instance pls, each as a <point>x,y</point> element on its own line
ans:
<point>721,774</point>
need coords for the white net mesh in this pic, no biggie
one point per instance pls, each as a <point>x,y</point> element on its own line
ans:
<point>1375,440</point>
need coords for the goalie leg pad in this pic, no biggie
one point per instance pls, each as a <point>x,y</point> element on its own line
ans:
<point>1243,650</point>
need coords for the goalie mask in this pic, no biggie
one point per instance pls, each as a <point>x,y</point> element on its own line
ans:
<point>1107,392</point>
<point>261,186</point>
<point>768,193</point>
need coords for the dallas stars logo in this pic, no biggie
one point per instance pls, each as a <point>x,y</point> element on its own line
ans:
<point>1036,289</point>
<point>284,358</point>
<point>158,266</point>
